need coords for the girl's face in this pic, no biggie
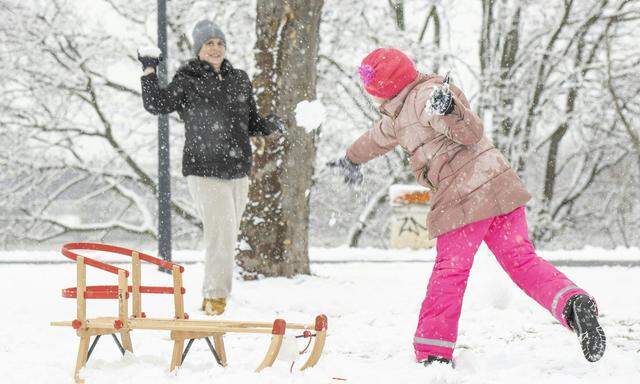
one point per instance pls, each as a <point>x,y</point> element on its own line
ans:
<point>213,52</point>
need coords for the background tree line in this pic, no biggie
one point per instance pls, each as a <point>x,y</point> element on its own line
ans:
<point>553,83</point>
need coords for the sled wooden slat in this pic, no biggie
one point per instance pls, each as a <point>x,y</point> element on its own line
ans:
<point>278,330</point>
<point>136,283</point>
<point>239,324</point>
<point>123,311</point>
<point>81,271</point>
<point>176,355</point>
<point>321,335</point>
<point>150,324</point>
<point>81,361</point>
<point>177,293</point>
<point>272,353</point>
<point>157,323</point>
<point>316,351</point>
<point>218,343</point>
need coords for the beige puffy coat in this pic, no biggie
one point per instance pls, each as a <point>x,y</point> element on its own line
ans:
<point>450,154</point>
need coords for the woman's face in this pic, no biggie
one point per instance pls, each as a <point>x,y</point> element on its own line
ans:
<point>213,52</point>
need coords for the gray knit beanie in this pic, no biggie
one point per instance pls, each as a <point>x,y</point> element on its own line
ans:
<point>204,31</point>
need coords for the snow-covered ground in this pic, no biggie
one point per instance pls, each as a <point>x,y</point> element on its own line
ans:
<point>372,309</point>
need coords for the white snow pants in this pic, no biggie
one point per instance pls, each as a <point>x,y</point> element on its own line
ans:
<point>220,203</point>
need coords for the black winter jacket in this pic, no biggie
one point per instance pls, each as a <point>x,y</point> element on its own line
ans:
<point>219,116</point>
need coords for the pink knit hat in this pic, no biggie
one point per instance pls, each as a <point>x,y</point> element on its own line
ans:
<point>386,71</point>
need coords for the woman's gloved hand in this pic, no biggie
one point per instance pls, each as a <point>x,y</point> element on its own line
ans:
<point>150,57</point>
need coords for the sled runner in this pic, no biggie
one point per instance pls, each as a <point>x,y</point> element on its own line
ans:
<point>181,327</point>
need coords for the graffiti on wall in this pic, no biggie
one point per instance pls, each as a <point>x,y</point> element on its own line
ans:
<point>409,225</point>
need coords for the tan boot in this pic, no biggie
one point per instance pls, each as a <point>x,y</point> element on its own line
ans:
<point>214,307</point>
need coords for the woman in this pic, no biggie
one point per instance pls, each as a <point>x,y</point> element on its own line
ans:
<point>216,103</point>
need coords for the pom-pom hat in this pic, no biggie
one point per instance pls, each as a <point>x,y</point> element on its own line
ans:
<point>386,71</point>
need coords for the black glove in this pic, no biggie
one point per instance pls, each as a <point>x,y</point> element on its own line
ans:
<point>349,169</point>
<point>278,124</point>
<point>441,102</point>
<point>149,61</point>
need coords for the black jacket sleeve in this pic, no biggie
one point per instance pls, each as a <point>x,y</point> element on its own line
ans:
<point>158,100</point>
<point>258,125</point>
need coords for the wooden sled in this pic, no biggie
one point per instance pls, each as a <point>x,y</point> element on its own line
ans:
<point>181,327</point>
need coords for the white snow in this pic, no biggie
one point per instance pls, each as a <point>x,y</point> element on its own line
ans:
<point>150,51</point>
<point>372,307</point>
<point>70,220</point>
<point>310,114</point>
<point>331,255</point>
<point>243,245</point>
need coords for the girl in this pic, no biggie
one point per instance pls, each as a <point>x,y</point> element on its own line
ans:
<point>477,197</point>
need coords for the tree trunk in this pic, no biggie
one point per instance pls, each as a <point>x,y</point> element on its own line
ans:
<point>506,96</point>
<point>486,34</point>
<point>274,231</point>
<point>433,14</point>
<point>398,9</point>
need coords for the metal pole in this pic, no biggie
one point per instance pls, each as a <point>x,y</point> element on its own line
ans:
<point>164,173</point>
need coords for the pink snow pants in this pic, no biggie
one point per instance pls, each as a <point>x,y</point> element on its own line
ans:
<point>507,237</point>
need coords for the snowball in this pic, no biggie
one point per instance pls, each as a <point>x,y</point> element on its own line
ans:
<point>149,52</point>
<point>310,115</point>
<point>289,350</point>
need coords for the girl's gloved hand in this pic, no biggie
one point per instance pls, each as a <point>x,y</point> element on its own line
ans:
<point>441,102</point>
<point>350,170</point>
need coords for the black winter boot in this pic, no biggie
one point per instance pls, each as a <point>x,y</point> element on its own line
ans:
<point>435,359</point>
<point>582,316</point>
